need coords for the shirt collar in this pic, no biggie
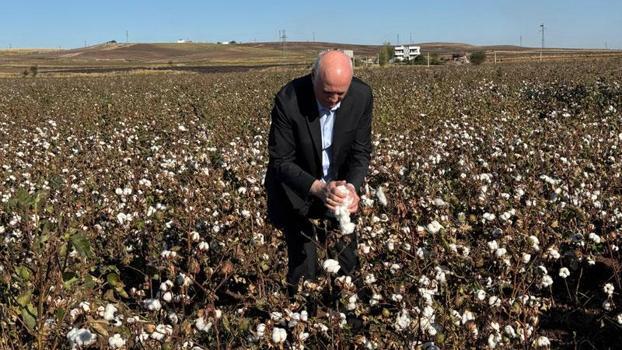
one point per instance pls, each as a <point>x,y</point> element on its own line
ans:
<point>321,108</point>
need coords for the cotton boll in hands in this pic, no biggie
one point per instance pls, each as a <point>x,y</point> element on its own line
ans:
<point>343,214</point>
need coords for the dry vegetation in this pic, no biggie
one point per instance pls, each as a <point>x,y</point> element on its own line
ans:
<point>132,213</point>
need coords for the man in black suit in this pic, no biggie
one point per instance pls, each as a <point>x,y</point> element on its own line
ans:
<point>320,138</point>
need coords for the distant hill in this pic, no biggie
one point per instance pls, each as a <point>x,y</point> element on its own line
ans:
<point>114,56</point>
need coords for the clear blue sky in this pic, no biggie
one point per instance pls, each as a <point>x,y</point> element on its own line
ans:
<point>71,23</point>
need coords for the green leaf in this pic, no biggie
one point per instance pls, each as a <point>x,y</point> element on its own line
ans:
<point>69,278</point>
<point>23,272</point>
<point>59,313</point>
<point>115,281</point>
<point>29,319</point>
<point>82,245</point>
<point>24,299</point>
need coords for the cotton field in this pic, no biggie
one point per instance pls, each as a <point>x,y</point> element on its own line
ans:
<point>132,213</point>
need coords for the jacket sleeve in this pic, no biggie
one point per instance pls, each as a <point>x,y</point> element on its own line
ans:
<point>282,150</point>
<point>360,153</point>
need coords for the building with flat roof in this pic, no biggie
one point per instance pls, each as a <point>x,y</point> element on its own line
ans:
<point>406,52</point>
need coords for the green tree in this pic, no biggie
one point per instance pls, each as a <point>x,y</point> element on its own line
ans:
<point>477,57</point>
<point>34,69</point>
<point>387,52</point>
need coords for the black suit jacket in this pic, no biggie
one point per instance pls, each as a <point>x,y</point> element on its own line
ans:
<point>295,140</point>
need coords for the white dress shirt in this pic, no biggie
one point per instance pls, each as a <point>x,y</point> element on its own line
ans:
<point>327,121</point>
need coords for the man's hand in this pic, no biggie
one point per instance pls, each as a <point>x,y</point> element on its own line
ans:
<point>354,206</point>
<point>331,197</point>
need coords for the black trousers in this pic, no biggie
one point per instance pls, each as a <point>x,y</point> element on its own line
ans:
<point>303,240</point>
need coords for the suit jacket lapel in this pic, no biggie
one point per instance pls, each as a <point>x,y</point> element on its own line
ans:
<point>342,119</point>
<point>312,117</point>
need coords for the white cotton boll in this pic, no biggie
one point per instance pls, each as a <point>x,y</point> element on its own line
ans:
<point>533,240</point>
<point>439,202</point>
<point>164,286</point>
<point>85,306</point>
<point>489,216</point>
<point>109,312</point>
<point>434,227</point>
<point>526,258</point>
<point>619,319</point>
<point>331,266</point>
<point>162,331</point>
<point>553,253</point>
<point>302,336</point>
<point>260,330</point>
<point>382,198</point>
<point>607,305</point>
<point>396,297</point>
<point>203,246</point>
<point>152,304</point>
<point>81,337</point>
<point>493,245</point>
<point>480,294</point>
<point>116,341</point>
<point>279,335</point>
<point>202,325</point>
<point>403,320</point>
<point>546,281</point>
<point>509,331</point>
<point>500,252</point>
<point>564,272</point>
<point>194,235</point>
<point>608,289</point>
<point>494,301</point>
<point>343,214</point>
<point>467,316</point>
<point>542,342</point>
<point>167,296</point>
<point>594,237</point>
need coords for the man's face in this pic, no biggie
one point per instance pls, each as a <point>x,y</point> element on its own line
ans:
<point>330,90</point>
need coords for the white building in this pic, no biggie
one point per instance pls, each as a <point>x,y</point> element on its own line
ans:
<point>406,53</point>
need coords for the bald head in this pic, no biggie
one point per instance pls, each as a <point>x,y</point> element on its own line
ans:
<point>332,75</point>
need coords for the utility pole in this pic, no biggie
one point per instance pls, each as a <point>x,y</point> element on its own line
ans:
<point>495,56</point>
<point>313,36</point>
<point>428,59</point>
<point>398,39</point>
<point>521,41</point>
<point>127,37</point>
<point>411,38</point>
<point>283,38</point>
<point>606,48</point>
<point>542,48</point>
